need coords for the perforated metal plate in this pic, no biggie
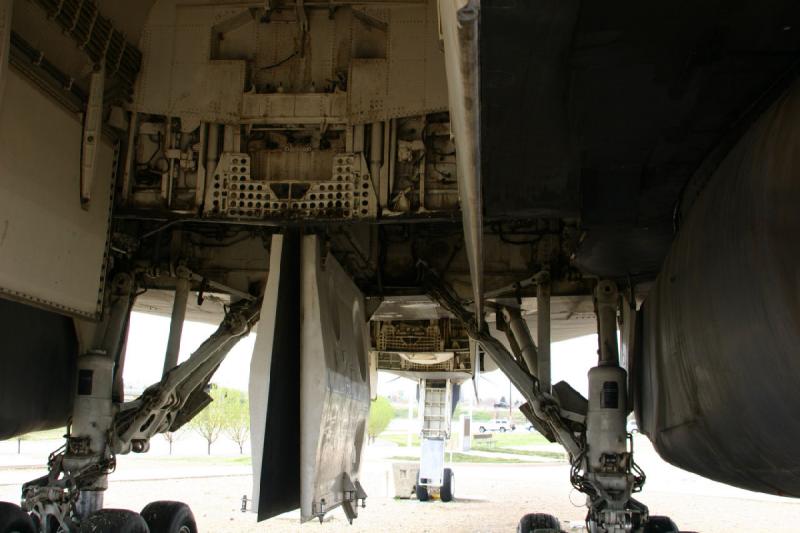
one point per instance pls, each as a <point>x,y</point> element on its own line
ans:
<point>234,193</point>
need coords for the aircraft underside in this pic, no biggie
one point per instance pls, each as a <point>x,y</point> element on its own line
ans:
<point>430,188</point>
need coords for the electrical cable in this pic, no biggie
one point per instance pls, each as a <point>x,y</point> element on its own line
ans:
<point>281,62</point>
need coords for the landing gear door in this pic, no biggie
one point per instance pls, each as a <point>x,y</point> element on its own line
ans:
<point>334,384</point>
<point>275,383</point>
<point>52,248</point>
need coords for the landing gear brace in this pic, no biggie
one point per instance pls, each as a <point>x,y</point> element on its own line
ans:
<point>70,496</point>
<point>593,432</point>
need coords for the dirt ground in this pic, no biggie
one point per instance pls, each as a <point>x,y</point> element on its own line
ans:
<point>489,497</point>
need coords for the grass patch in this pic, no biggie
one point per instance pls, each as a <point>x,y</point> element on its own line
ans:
<point>242,460</point>
<point>206,459</point>
<point>514,439</point>
<point>464,458</point>
<point>401,411</point>
<point>533,453</point>
<point>519,439</point>
<point>401,439</point>
<point>501,440</point>
<point>478,415</point>
<point>484,415</point>
<point>560,456</point>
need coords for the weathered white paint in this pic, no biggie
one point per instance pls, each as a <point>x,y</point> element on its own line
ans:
<point>52,252</point>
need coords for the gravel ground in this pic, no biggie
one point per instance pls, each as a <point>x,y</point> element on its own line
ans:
<point>489,497</point>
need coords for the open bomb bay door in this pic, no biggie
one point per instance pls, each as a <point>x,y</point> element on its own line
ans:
<point>314,334</point>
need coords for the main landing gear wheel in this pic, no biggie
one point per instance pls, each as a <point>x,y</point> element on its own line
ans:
<point>446,492</point>
<point>539,523</point>
<point>169,517</point>
<point>114,521</point>
<point>660,524</point>
<point>14,520</point>
<point>421,491</point>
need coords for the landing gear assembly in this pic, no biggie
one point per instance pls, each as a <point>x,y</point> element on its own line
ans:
<point>70,497</point>
<point>333,383</point>
<point>605,470</point>
<point>592,431</point>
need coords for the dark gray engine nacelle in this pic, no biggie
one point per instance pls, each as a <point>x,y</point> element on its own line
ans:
<point>717,376</point>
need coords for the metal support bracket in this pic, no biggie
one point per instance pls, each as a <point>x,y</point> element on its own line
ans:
<point>92,130</point>
<point>606,302</point>
<point>353,492</point>
<point>181,300</point>
<point>521,337</point>
<point>544,405</point>
<point>159,408</point>
<point>543,329</point>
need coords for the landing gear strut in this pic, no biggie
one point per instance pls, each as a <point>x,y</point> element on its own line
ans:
<point>70,497</point>
<point>605,470</point>
<point>592,431</point>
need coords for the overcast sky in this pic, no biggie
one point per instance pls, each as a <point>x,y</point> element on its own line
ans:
<point>147,340</point>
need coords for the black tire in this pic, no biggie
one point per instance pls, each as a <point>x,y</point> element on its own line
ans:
<point>660,524</point>
<point>482,429</point>
<point>114,521</point>
<point>421,491</point>
<point>448,488</point>
<point>169,517</point>
<point>539,523</point>
<point>502,430</point>
<point>14,520</point>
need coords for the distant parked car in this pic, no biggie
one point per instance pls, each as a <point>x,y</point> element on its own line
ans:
<point>501,405</point>
<point>501,424</point>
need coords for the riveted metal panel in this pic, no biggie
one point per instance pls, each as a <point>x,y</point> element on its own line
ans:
<point>279,108</point>
<point>367,52</point>
<point>381,89</point>
<point>179,77</point>
<point>52,251</point>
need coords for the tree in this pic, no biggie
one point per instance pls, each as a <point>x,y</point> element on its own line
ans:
<point>209,422</point>
<point>237,417</point>
<point>171,437</point>
<point>381,413</point>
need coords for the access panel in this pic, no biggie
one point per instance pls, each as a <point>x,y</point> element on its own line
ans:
<point>52,249</point>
